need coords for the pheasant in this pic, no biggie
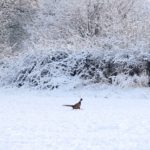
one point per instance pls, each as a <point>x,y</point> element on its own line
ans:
<point>75,106</point>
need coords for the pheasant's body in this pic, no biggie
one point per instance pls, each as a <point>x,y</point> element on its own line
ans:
<point>75,106</point>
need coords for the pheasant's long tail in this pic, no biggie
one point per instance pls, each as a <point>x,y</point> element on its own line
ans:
<point>68,105</point>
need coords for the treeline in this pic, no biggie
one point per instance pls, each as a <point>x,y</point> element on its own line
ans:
<point>80,24</point>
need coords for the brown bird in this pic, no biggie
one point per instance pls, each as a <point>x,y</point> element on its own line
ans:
<point>75,106</point>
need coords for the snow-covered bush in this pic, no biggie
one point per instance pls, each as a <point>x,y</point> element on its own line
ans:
<point>62,68</point>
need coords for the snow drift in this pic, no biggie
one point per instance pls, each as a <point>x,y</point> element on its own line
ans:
<point>110,118</point>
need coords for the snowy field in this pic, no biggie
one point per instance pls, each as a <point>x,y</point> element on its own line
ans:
<point>110,119</point>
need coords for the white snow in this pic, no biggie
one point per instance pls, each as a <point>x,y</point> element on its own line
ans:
<point>110,119</point>
<point>68,47</point>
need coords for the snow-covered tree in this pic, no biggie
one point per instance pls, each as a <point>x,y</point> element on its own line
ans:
<point>14,15</point>
<point>88,23</point>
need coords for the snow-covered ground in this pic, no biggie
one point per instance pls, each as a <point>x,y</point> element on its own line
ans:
<point>110,119</point>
